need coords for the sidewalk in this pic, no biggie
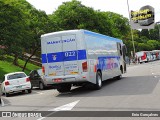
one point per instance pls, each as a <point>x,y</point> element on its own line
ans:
<point>131,64</point>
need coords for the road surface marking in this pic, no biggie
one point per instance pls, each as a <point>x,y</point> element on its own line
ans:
<point>66,107</point>
<point>39,92</point>
<point>2,102</point>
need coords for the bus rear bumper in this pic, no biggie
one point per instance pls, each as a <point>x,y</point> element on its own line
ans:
<point>71,79</point>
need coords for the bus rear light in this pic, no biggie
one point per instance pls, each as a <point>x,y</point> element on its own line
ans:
<point>6,83</point>
<point>84,66</point>
<point>43,70</point>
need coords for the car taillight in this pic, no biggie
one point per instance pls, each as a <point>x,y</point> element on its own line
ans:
<point>43,70</point>
<point>6,83</point>
<point>84,66</point>
<point>27,79</point>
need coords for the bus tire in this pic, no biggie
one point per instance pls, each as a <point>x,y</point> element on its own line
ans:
<point>64,88</point>
<point>98,84</point>
<point>120,76</point>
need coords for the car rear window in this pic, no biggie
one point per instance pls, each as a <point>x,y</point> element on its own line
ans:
<point>15,76</point>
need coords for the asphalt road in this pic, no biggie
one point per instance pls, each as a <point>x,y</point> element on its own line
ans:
<point>138,90</point>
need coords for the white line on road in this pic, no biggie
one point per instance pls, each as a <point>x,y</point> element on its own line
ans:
<point>39,92</point>
<point>65,107</point>
<point>62,108</point>
<point>2,102</point>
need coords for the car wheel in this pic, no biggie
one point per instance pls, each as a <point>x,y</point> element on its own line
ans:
<point>41,86</point>
<point>120,76</point>
<point>23,91</point>
<point>29,90</point>
<point>98,84</point>
<point>7,94</point>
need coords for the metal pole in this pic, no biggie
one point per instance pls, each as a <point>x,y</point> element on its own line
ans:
<point>158,28</point>
<point>134,51</point>
<point>159,31</point>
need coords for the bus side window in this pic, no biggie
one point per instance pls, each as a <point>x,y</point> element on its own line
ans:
<point>119,48</point>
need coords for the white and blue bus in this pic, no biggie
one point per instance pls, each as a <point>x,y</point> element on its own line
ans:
<point>78,57</point>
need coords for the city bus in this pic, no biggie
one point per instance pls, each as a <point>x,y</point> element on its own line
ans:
<point>143,56</point>
<point>80,57</point>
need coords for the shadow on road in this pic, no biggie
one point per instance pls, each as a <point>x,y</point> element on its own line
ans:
<point>137,85</point>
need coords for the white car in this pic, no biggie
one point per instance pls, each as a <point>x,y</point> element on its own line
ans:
<point>15,82</point>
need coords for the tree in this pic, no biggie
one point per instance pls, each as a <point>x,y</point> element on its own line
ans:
<point>12,30</point>
<point>74,15</point>
<point>119,24</point>
<point>155,45</point>
<point>35,23</point>
<point>154,33</point>
<point>144,47</point>
<point>38,26</point>
<point>145,33</point>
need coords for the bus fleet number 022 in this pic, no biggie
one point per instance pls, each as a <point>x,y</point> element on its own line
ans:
<point>70,54</point>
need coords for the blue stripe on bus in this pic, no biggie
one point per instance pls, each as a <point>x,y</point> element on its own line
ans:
<point>55,57</point>
<point>82,55</point>
<point>64,56</point>
<point>44,58</point>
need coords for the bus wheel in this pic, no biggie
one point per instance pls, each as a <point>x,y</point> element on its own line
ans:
<point>120,76</point>
<point>64,88</point>
<point>98,84</point>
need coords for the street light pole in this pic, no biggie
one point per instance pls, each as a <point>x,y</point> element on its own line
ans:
<point>134,51</point>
